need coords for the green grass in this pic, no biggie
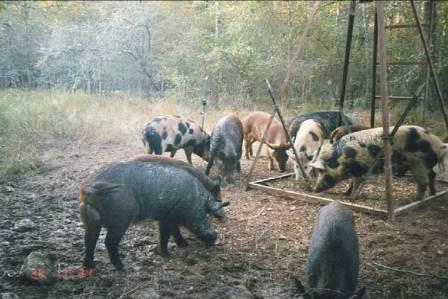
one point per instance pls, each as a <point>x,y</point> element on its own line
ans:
<point>33,121</point>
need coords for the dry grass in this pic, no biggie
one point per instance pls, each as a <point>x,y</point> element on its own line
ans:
<point>35,125</point>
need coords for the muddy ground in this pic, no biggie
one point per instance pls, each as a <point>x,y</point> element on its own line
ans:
<point>263,249</point>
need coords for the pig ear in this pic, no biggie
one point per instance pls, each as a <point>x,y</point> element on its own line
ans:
<point>300,288</point>
<point>360,293</point>
<point>317,165</point>
<point>218,206</point>
<point>217,180</point>
<point>101,188</point>
<point>291,154</point>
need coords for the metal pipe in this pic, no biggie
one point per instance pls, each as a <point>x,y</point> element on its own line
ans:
<point>286,131</point>
<point>351,21</point>
<point>431,66</point>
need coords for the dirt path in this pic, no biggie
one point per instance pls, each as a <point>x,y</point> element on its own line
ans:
<point>264,241</point>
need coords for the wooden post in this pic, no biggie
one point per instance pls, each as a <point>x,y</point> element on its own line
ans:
<point>259,150</point>
<point>374,62</point>
<point>351,21</point>
<point>384,109</point>
<point>431,66</point>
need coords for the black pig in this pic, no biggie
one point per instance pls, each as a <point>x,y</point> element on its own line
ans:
<point>167,191</point>
<point>333,258</point>
<point>226,147</point>
<point>328,120</point>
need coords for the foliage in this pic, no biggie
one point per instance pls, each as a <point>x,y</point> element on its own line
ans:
<point>151,47</point>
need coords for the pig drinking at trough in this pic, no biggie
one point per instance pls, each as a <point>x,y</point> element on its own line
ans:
<point>255,125</point>
<point>147,187</point>
<point>333,258</point>
<point>328,120</point>
<point>341,131</point>
<point>226,147</point>
<point>172,132</point>
<point>359,154</point>
<point>307,144</point>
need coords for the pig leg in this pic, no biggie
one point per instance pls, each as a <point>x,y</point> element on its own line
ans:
<point>356,186</point>
<point>164,236</point>
<point>209,164</point>
<point>421,176</point>
<point>432,182</point>
<point>271,160</point>
<point>180,241</point>
<point>173,152</point>
<point>188,151</point>
<point>350,189</point>
<point>113,238</point>
<point>92,233</point>
<point>247,147</point>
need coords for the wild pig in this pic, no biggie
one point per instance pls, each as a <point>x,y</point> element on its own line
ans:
<point>171,132</point>
<point>341,131</point>
<point>328,120</point>
<point>307,144</point>
<point>255,125</point>
<point>147,187</point>
<point>226,147</point>
<point>359,154</point>
<point>333,258</point>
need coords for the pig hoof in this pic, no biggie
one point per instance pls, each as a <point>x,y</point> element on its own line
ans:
<point>119,267</point>
<point>164,254</point>
<point>182,244</point>
<point>89,264</point>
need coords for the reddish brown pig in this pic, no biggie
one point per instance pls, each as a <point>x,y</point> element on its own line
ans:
<point>254,126</point>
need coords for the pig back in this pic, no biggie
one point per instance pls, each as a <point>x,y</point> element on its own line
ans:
<point>328,119</point>
<point>333,259</point>
<point>255,124</point>
<point>160,190</point>
<point>227,136</point>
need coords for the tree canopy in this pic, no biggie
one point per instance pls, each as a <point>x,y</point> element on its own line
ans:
<point>153,47</point>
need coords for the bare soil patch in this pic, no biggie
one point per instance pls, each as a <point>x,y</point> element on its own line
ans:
<point>264,240</point>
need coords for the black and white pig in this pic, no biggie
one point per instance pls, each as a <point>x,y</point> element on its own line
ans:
<point>328,120</point>
<point>333,259</point>
<point>226,147</point>
<point>147,188</point>
<point>359,154</point>
<point>308,141</point>
<point>172,132</point>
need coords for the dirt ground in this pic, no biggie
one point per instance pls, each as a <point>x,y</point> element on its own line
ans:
<point>263,248</point>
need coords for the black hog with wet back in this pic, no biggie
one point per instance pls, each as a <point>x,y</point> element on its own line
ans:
<point>333,259</point>
<point>359,154</point>
<point>328,120</point>
<point>171,132</point>
<point>226,147</point>
<point>148,187</point>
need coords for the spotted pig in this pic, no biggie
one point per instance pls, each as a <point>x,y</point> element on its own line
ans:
<point>226,147</point>
<point>341,131</point>
<point>307,144</point>
<point>359,154</point>
<point>328,120</point>
<point>172,132</point>
<point>255,125</point>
